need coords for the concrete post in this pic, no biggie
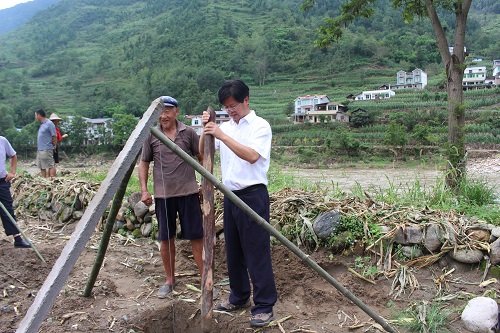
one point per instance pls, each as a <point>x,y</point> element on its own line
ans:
<point>57,277</point>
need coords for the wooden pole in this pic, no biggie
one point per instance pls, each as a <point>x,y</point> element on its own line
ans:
<point>207,280</point>
<point>263,223</point>
<point>108,229</point>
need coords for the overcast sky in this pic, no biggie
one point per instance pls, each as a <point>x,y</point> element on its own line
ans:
<point>10,3</point>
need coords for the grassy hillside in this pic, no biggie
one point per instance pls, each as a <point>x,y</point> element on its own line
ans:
<point>97,59</point>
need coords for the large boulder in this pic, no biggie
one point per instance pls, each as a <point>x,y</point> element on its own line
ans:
<point>408,235</point>
<point>495,252</point>
<point>326,223</point>
<point>480,315</point>
<point>467,255</point>
<point>134,198</point>
<point>140,209</point>
<point>432,238</point>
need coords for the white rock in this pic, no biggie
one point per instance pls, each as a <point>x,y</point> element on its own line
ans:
<point>480,315</point>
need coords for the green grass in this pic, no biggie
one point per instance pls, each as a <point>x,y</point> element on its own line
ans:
<point>424,318</point>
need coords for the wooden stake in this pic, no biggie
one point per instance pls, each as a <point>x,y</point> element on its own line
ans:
<point>207,280</point>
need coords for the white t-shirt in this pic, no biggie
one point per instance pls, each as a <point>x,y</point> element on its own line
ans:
<point>254,132</point>
<point>6,150</point>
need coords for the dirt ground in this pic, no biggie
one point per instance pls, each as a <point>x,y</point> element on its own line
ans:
<point>124,297</point>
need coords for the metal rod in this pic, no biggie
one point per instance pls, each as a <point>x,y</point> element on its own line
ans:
<point>22,233</point>
<point>263,223</point>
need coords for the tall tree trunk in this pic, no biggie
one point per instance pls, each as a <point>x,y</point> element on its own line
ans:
<point>454,65</point>
<point>456,122</point>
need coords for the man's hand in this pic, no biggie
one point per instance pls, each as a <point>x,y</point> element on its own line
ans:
<point>147,199</point>
<point>211,127</point>
<point>9,176</point>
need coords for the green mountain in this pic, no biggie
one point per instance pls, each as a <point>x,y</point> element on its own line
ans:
<point>96,58</point>
<point>11,18</point>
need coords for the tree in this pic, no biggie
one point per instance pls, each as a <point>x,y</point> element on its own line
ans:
<point>123,125</point>
<point>396,137</point>
<point>77,130</point>
<point>453,62</point>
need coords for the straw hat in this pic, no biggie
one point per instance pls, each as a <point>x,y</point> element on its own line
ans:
<point>54,117</point>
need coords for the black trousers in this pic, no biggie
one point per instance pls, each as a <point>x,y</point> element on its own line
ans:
<point>248,252</point>
<point>6,199</point>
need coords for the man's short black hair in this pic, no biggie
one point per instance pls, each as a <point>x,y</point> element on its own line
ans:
<point>233,88</point>
<point>41,112</point>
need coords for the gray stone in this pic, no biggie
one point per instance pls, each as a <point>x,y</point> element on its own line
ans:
<point>134,198</point>
<point>432,238</point>
<point>147,218</point>
<point>467,256</point>
<point>66,214</point>
<point>341,242</point>
<point>152,209</point>
<point>408,235</point>
<point>385,229</point>
<point>77,214</point>
<point>480,235</point>
<point>411,252</point>
<point>480,315</point>
<point>118,225</point>
<point>146,229</point>
<point>448,234</point>
<point>325,224</point>
<point>140,209</point>
<point>495,232</point>
<point>57,207</point>
<point>130,225</point>
<point>78,205</point>
<point>495,252</point>
<point>121,213</point>
<point>46,216</point>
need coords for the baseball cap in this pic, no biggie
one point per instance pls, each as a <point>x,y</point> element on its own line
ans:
<point>169,101</point>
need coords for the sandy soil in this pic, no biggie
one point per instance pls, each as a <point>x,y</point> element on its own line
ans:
<point>124,297</point>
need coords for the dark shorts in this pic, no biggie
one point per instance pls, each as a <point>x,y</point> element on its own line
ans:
<point>56,155</point>
<point>189,210</point>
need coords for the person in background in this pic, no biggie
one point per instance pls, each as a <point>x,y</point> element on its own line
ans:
<point>10,228</point>
<point>175,189</point>
<point>245,148</point>
<point>55,119</point>
<point>46,144</point>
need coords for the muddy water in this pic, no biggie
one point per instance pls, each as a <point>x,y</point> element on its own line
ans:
<point>347,179</point>
<point>397,178</point>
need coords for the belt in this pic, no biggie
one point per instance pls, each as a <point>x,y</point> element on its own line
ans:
<point>249,189</point>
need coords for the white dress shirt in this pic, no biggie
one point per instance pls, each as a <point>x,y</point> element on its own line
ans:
<point>251,131</point>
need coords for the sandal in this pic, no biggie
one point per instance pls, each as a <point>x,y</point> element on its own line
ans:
<point>165,290</point>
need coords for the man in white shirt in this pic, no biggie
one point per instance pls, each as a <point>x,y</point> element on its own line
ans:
<point>6,150</point>
<point>245,149</point>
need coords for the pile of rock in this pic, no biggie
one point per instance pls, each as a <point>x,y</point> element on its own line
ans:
<point>58,200</point>
<point>135,217</point>
<point>469,241</point>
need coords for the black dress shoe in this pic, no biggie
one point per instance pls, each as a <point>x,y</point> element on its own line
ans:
<point>22,244</point>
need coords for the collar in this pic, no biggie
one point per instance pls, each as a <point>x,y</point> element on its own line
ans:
<point>249,118</point>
